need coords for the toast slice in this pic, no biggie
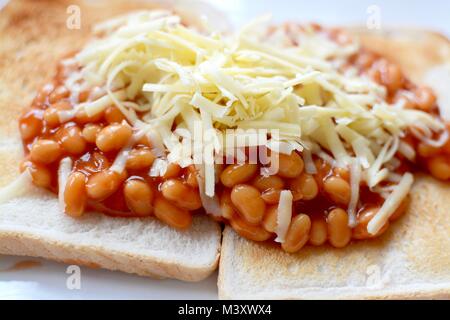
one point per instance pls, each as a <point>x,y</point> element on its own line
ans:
<point>411,260</point>
<point>34,36</point>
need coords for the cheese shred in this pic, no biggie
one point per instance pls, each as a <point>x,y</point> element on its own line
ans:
<point>16,188</point>
<point>284,215</point>
<point>392,202</point>
<point>64,170</point>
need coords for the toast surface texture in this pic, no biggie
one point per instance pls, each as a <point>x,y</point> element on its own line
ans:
<point>410,261</point>
<point>34,37</point>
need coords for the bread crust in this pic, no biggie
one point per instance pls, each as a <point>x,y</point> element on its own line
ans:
<point>412,257</point>
<point>34,38</point>
<point>30,244</point>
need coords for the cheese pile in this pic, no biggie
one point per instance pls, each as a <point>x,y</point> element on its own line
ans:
<point>165,77</point>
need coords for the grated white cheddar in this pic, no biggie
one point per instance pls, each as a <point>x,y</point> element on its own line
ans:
<point>392,202</point>
<point>284,215</point>
<point>122,157</point>
<point>161,74</point>
<point>64,170</point>
<point>355,180</point>
<point>17,187</point>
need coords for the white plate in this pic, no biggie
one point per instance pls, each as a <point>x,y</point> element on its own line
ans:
<point>48,279</point>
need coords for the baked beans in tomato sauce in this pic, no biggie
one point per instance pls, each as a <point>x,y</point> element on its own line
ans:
<point>247,199</point>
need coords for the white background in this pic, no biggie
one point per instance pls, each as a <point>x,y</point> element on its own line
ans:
<point>48,280</point>
<point>429,14</point>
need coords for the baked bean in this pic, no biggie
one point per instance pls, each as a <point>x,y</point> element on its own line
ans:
<point>72,140</point>
<point>337,189</point>
<point>90,132</point>
<point>323,170</point>
<point>172,215</point>
<point>290,166</point>
<point>339,233</point>
<point>183,196</point>
<point>237,174</point>
<point>75,194</point>
<point>270,219</point>
<point>41,176</point>
<point>59,93</point>
<point>102,184</point>
<point>226,204</point>
<point>439,167</point>
<point>30,125</point>
<point>427,151</point>
<point>45,151</point>
<point>365,60</point>
<point>191,177</point>
<point>360,231</point>
<point>173,171</point>
<point>304,187</point>
<point>113,137</point>
<point>342,173</point>
<point>139,159</point>
<point>249,231</point>
<point>83,96</point>
<point>393,77</point>
<point>218,169</point>
<point>41,97</point>
<point>81,117</point>
<point>271,196</point>
<point>144,141</point>
<point>51,117</point>
<point>375,73</point>
<point>51,114</point>
<point>424,98</point>
<point>139,197</point>
<point>388,74</point>
<point>95,162</point>
<point>264,183</point>
<point>114,115</point>
<point>408,103</point>
<point>401,209</point>
<point>248,201</point>
<point>318,233</point>
<point>298,233</point>
<point>340,37</point>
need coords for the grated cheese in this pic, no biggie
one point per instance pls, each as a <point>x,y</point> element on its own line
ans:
<point>284,215</point>
<point>161,74</point>
<point>211,204</point>
<point>66,115</point>
<point>122,157</point>
<point>16,188</point>
<point>64,170</point>
<point>355,180</point>
<point>392,202</point>
<point>159,168</point>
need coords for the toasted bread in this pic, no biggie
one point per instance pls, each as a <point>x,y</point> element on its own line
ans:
<point>34,37</point>
<point>411,260</point>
